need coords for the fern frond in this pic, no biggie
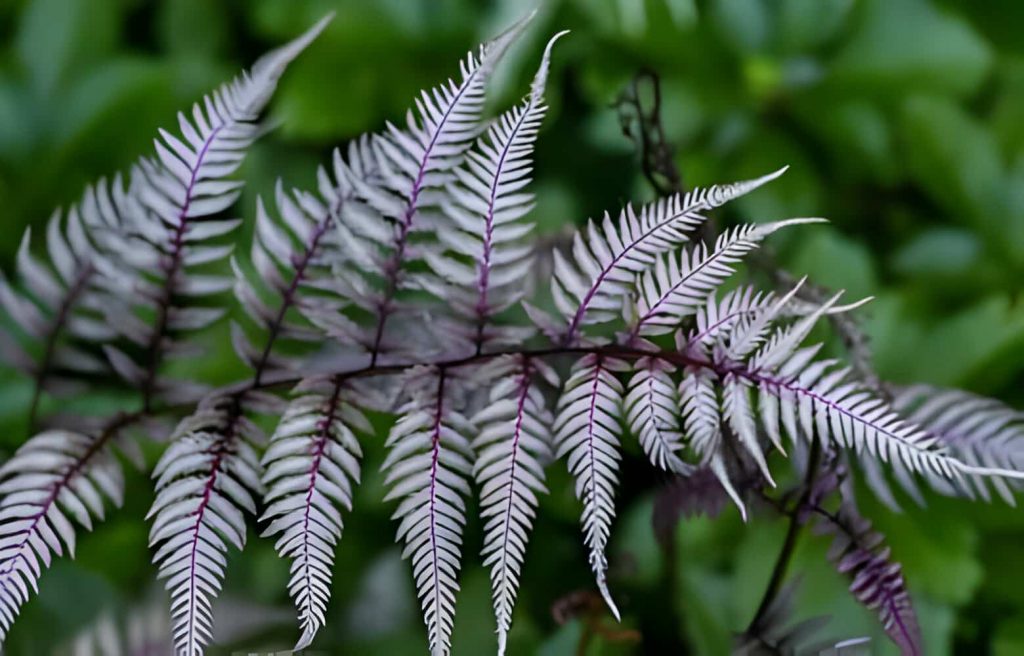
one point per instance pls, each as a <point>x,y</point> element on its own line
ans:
<point>876,581</point>
<point>188,182</point>
<point>55,480</point>
<point>487,259</point>
<point>311,466</point>
<point>977,431</point>
<point>587,431</point>
<point>206,481</point>
<point>512,447</point>
<point>652,413</point>
<point>428,464</point>
<point>415,165</point>
<point>606,261</point>
<point>293,258</point>
<point>60,313</point>
<point>674,288</point>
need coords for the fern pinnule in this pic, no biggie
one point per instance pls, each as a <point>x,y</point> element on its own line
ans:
<point>512,447</point>
<point>311,466</point>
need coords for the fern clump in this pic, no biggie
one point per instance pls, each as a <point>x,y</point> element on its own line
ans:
<point>399,285</point>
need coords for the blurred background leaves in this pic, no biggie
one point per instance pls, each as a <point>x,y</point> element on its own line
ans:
<point>902,120</point>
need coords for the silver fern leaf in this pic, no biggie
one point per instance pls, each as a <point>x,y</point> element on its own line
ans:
<point>428,466</point>
<point>587,433</point>
<point>55,480</point>
<point>513,444</point>
<point>607,258</point>
<point>487,258</point>
<point>311,464</point>
<point>206,481</point>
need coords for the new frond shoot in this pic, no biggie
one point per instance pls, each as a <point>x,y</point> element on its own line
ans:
<point>399,285</point>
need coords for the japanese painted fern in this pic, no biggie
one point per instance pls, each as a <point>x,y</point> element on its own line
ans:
<point>428,219</point>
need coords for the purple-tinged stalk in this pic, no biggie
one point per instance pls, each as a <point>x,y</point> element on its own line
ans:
<point>876,580</point>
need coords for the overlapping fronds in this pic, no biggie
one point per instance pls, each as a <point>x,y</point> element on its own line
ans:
<point>414,166</point>
<point>486,258</point>
<point>589,288</point>
<point>674,288</point>
<point>714,386</point>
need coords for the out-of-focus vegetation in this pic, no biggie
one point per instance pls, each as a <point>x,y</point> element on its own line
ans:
<point>902,120</point>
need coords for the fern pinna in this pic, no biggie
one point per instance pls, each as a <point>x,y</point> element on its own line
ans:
<point>429,219</point>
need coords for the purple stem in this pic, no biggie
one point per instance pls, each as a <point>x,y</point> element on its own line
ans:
<point>218,450</point>
<point>524,388</point>
<point>759,378</point>
<point>435,445</point>
<point>483,283</point>
<point>170,269</point>
<point>393,267</point>
<point>290,295</point>
<point>590,431</point>
<point>75,291</point>
<point>577,319</point>
<point>319,447</point>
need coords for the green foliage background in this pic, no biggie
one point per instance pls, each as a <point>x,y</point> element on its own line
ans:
<point>902,120</point>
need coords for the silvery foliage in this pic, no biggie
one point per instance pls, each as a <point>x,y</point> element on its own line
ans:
<point>397,286</point>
